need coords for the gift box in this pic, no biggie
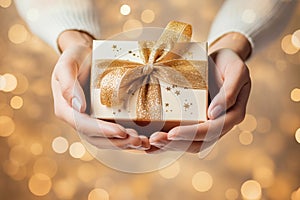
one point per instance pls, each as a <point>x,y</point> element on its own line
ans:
<point>151,85</point>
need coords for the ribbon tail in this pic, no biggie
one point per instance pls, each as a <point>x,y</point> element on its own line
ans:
<point>149,105</point>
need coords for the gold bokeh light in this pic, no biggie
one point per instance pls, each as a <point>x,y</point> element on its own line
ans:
<point>9,83</point>
<point>7,126</point>
<point>125,9</point>
<point>39,184</point>
<point>171,171</point>
<point>287,45</point>
<point>295,94</point>
<point>98,194</point>
<point>249,123</point>
<point>132,28</point>
<point>77,150</point>
<point>18,34</point>
<point>16,102</point>
<point>231,194</point>
<point>251,190</point>
<point>202,181</point>
<point>148,16</point>
<point>5,3</point>
<point>60,144</point>
<point>246,137</point>
<point>297,135</point>
<point>45,166</point>
<point>296,39</point>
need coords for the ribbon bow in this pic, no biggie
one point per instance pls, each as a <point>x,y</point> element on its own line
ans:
<point>121,78</point>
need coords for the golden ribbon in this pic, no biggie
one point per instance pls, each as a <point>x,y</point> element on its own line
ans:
<point>122,78</point>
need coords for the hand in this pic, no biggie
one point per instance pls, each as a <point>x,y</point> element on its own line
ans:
<point>70,82</point>
<point>229,88</point>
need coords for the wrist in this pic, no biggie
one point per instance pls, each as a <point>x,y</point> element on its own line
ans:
<point>70,38</point>
<point>234,41</point>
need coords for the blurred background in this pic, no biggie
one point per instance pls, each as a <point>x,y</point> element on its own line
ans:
<point>43,158</point>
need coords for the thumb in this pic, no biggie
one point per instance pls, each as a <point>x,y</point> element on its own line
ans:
<point>65,73</point>
<point>78,101</point>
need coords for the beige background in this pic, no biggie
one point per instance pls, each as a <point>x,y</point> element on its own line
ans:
<point>260,154</point>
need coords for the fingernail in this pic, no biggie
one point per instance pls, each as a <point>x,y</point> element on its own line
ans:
<point>119,131</point>
<point>143,148</point>
<point>174,137</point>
<point>76,104</point>
<point>134,147</point>
<point>216,111</point>
<point>122,128</point>
<point>154,136</point>
<point>131,132</point>
<point>157,144</point>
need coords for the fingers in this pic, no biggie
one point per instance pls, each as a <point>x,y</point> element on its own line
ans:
<point>214,129</point>
<point>133,141</point>
<point>82,122</point>
<point>160,140</point>
<point>236,76</point>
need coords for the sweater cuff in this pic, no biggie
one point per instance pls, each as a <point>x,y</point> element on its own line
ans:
<point>61,16</point>
<point>215,36</point>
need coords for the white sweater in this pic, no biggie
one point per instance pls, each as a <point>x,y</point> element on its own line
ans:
<point>258,20</point>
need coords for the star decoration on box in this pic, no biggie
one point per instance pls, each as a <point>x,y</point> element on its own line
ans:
<point>133,54</point>
<point>187,105</point>
<point>116,49</point>
<point>190,55</point>
<point>177,92</point>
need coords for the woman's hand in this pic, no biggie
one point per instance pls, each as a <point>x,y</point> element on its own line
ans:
<point>229,87</point>
<point>70,85</point>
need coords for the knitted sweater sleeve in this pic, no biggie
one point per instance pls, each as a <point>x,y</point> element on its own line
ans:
<point>259,21</point>
<point>48,19</point>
